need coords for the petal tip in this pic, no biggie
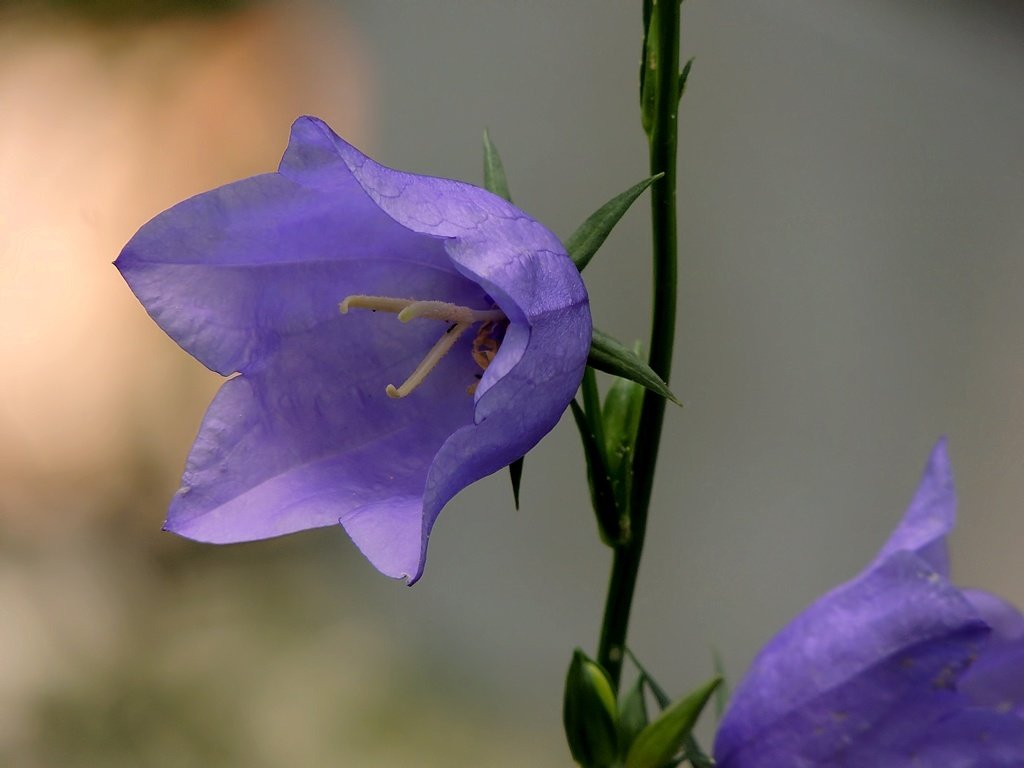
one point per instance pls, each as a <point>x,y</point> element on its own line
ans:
<point>938,461</point>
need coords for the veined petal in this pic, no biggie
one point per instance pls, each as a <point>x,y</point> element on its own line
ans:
<point>896,667</point>
<point>312,440</point>
<point>228,272</point>
<point>895,637</point>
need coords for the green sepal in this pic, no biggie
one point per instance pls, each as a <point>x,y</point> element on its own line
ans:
<point>683,75</point>
<point>494,170</point>
<point>601,494</point>
<point>515,474</point>
<point>584,242</point>
<point>611,356</point>
<point>662,740</point>
<point>589,713</point>
<point>632,715</point>
<point>620,416</point>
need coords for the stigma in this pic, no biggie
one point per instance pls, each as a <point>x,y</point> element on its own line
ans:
<point>459,319</point>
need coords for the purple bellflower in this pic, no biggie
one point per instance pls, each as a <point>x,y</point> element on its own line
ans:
<point>895,668</point>
<point>397,336</point>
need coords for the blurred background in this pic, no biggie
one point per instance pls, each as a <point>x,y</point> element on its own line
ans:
<point>852,275</point>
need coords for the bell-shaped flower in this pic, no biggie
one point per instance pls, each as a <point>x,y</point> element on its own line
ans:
<point>895,668</point>
<point>397,337</point>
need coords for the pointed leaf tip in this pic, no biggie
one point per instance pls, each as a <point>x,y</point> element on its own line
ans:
<point>684,75</point>
<point>584,242</point>
<point>515,473</point>
<point>611,356</point>
<point>494,170</point>
<point>660,741</point>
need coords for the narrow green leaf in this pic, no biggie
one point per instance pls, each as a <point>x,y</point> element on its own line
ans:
<point>683,75</point>
<point>494,170</point>
<point>660,741</point>
<point>632,715</point>
<point>600,483</point>
<point>515,473</point>
<point>584,242</point>
<point>611,356</point>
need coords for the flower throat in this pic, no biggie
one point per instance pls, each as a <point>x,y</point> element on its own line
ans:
<point>459,318</point>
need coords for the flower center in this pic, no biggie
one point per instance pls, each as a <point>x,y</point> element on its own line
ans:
<point>459,319</point>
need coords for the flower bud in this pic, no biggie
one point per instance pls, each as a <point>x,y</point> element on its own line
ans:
<point>590,714</point>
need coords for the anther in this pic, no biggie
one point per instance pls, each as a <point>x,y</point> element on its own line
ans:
<point>373,302</point>
<point>410,309</point>
<point>442,310</point>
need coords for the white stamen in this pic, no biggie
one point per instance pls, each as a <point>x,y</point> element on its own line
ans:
<point>439,350</point>
<point>461,318</point>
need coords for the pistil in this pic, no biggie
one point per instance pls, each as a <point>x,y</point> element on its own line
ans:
<point>459,318</point>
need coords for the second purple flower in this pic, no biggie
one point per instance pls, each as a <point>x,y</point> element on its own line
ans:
<point>897,667</point>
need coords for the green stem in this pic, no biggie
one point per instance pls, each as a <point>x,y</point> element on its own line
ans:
<point>663,64</point>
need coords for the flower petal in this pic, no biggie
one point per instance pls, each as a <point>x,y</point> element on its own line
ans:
<point>969,738</point>
<point>513,415</point>
<point>996,679</point>
<point>312,439</point>
<point>930,516</point>
<point>1006,621</point>
<point>893,638</point>
<point>229,272</point>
